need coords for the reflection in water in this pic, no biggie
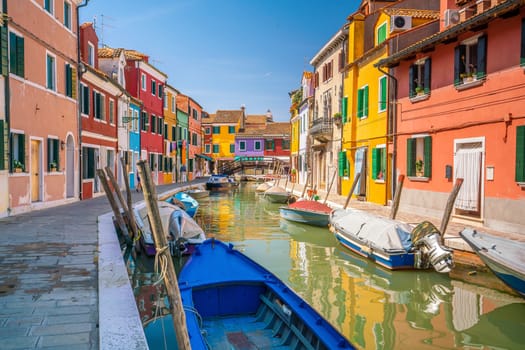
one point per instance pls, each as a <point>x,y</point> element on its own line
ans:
<point>374,307</point>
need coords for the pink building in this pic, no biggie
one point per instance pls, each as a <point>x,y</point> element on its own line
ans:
<point>39,126</point>
<point>98,109</point>
<point>460,114</point>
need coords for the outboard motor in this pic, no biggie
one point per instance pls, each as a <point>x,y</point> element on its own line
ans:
<point>426,239</point>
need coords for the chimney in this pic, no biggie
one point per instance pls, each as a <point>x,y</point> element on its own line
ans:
<point>269,116</point>
<point>243,118</point>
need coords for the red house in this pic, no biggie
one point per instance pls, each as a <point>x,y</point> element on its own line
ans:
<point>98,110</point>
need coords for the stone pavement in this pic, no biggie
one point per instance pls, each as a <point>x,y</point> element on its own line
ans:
<point>49,277</point>
<point>49,295</point>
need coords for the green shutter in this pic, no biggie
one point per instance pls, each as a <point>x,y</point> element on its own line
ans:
<point>365,102</point>
<point>411,157</point>
<point>427,150</point>
<point>344,109</point>
<point>381,34</point>
<point>342,163</point>
<point>2,146</point>
<point>412,75</point>
<point>383,162</point>
<point>482,57</point>
<point>12,53</point>
<point>49,71</point>
<point>375,161</point>
<point>426,76</point>
<point>360,103</point>
<point>384,97</point>
<point>49,154</point>
<point>520,153</point>
<point>459,66</point>
<point>4,51</point>
<point>20,56</point>
<point>56,154</point>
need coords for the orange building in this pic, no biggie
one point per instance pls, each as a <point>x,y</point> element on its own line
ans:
<point>39,124</point>
<point>460,114</point>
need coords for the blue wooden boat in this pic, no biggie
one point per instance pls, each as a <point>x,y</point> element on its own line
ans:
<point>505,257</point>
<point>191,205</point>
<point>391,244</point>
<point>221,183</point>
<point>231,302</point>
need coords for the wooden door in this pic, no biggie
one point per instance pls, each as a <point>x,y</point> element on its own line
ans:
<point>36,170</point>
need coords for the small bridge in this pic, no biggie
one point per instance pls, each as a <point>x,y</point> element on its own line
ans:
<point>254,165</point>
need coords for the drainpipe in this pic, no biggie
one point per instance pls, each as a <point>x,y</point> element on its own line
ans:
<point>393,117</point>
<point>79,117</point>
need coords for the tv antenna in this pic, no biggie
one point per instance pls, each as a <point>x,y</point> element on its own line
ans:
<point>103,24</point>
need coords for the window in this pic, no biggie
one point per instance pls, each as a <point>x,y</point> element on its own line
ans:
<point>242,146</point>
<point>232,148</point>
<point>383,96</point>
<point>419,78</point>
<point>419,156</point>
<point>70,78</point>
<point>49,6</point>
<point>207,148</point>
<point>67,15</point>
<point>153,124</point>
<point>165,102</point>
<point>207,130</point>
<point>173,104</point>
<point>16,54</point>
<point>136,120</point>
<point>344,164</point>
<point>379,159</point>
<point>328,71</point>
<point>216,129</point>
<point>257,146</point>
<point>143,82</point>
<point>195,114</point>
<point>84,96</point>
<point>160,126</point>
<point>160,161</point>
<point>215,148</point>
<point>88,163</point>
<point>362,102</point>
<point>111,111</point>
<point>145,121</point>
<point>231,129</point>
<point>50,73</point>
<point>269,145</point>
<point>161,94</point>
<point>173,131</point>
<point>2,146</point>
<point>286,144</point>
<point>194,139</point>
<point>17,152</point>
<point>53,158</point>
<point>99,110</point>
<point>153,87</point>
<point>381,33</point>
<point>185,134</point>
<point>470,60</point>
<point>91,55</point>
<point>520,154</point>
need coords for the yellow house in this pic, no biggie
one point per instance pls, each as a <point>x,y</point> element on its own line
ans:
<point>170,120</point>
<point>366,148</point>
<point>225,125</point>
<point>294,137</point>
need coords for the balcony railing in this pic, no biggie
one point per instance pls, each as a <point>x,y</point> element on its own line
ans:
<point>322,128</point>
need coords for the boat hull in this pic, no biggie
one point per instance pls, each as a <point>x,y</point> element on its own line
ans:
<point>392,261</point>
<point>304,216</point>
<point>503,256</point>
<point>281,198</point>
<point>220,286</point>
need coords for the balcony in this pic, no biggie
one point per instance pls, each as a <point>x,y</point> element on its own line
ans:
<point>321,129</point>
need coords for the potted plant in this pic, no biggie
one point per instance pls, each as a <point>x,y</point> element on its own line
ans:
<point>18,166</point>
<point>53,166</point>
<point>338,117</point>
<point>420,90</point>
<point>419,167</point>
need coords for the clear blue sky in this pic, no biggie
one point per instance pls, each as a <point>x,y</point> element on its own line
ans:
<point>224,53</point>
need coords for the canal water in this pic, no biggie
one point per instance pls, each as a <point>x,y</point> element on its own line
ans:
<point>373,307</point>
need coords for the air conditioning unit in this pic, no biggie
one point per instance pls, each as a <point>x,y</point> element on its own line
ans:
<point>399,23</point>
<point>451,17</point>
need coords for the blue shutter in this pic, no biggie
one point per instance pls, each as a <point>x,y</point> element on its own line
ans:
<point>459,66</point>
<point>482,57</point>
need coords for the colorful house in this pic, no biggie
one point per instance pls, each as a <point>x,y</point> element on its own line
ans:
<point>133,123</point>
<point>170,120</point>
<point>460,114</point>
<point>306,109</point>
<point>194,138</point>
<point>325,131</point>
<point>39,119</point>
<point>277,141</point>
<point>365,143</point>
<point>99,117</point>
<point>183,107</point>
<point>224,126</point>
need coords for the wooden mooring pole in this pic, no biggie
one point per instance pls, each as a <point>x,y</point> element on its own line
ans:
<point>397,197</point>
<point>356,180</point>
<point>449,207</point>
<point>164,257</point>
<point>330,187</point>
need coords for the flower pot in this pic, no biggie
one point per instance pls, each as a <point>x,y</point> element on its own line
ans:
<point>18,170</point>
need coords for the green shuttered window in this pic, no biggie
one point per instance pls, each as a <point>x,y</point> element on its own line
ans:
<point>520,153</point>
<point>16,54</point>
<point>2,145</point>
<point>419,157</point>
<point>344,165</point>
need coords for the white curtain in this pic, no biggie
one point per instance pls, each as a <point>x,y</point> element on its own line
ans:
<point>358,164</point>
<point>467,165</point>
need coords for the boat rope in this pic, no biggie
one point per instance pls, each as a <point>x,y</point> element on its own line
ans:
<point>161,264</point>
